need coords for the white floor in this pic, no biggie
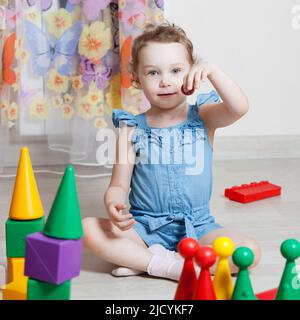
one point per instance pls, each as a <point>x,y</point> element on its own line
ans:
<point>270,221</point>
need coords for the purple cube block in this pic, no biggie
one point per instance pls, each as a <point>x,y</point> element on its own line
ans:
<point>52,260</point>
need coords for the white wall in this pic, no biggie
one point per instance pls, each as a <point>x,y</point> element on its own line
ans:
<point>255,43</point>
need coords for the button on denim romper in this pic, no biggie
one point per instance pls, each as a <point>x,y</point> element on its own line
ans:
<point>172,178</point>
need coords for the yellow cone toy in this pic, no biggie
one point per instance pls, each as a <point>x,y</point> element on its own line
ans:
<point>26,203</point>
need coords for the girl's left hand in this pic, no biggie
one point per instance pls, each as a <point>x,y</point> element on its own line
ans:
<point>199,72</point>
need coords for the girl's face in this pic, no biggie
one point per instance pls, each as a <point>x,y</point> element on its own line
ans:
<point>161,71</point>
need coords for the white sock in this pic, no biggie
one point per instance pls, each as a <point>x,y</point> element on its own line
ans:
<point>165,267</point>
<point>126,272</point>
<point>162,251</point>
<point>154,249</point>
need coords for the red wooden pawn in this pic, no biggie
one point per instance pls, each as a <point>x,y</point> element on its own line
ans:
<point>205,258</point>
<point>187,247</point>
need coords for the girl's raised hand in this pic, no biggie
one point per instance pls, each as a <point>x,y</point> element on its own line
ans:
<point>120,220</point>
<point>199,72</point>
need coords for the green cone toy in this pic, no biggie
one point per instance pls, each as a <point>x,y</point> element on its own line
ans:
<point>64,220</point>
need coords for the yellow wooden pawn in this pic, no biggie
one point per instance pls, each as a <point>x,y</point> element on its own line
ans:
<point>223,283</point>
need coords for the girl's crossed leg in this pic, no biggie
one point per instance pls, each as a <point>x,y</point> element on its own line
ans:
<point>123,248</point>
<point>126,248</point>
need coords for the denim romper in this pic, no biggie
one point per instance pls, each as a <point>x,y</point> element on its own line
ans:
<point>172,178</point>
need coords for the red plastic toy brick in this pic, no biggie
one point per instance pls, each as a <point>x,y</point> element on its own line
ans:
<point>252,191</point>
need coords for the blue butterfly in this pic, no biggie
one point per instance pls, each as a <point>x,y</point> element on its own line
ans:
<point>45,52</point>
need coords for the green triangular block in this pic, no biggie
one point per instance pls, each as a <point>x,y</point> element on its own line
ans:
<point>243,257</point>
<point>289,287</point>
<point>64,220</point>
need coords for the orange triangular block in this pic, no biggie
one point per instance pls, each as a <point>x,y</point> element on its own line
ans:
<point>16,288</point>
<point>13,291</point>
<point>26,203</point>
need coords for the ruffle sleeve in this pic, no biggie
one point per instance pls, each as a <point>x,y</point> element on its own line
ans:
<point>209,97</point>
<point>123,117</point>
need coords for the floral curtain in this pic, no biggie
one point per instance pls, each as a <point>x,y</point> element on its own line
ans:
<point>65,67</point>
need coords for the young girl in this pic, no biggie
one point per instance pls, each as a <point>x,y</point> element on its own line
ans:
<point>170,193</point>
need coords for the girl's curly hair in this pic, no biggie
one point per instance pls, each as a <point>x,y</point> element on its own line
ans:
<point>163,33</point>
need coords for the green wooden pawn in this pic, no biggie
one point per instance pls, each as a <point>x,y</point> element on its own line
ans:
<point>243,258</point>
<point>289,287</point>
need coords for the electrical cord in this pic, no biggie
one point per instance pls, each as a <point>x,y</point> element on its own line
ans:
<point>61,174</point>
<point>80,176</point>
